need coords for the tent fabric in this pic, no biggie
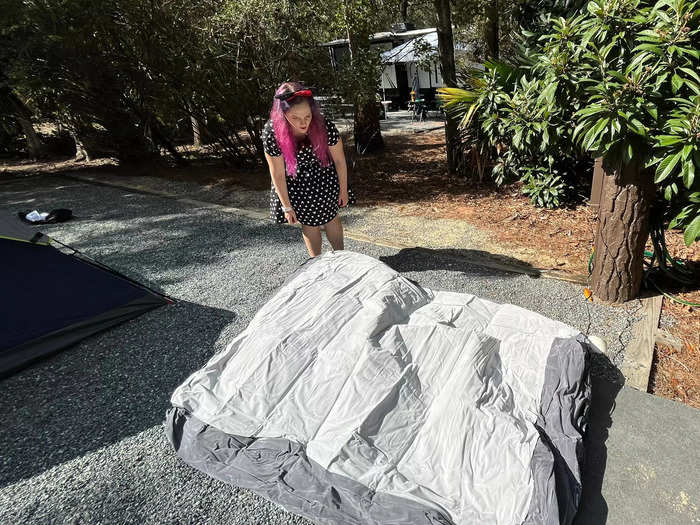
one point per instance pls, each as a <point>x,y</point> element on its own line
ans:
<point>357,396</point>
<point>52,300</point>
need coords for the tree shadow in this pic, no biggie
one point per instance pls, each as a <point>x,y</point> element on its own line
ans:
<point>593,509</point>
<point>688,270</point>
<point>171,235</point>
<point>108,387</point>
<point>473,262</point>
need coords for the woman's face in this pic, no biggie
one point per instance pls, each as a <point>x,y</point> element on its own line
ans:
<point>299,117</point>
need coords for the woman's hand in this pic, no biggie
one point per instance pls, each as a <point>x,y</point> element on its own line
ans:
<point>343,197</point>
<point>291,217</point>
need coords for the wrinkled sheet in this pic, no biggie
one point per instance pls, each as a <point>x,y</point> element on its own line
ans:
<point>357,396</point>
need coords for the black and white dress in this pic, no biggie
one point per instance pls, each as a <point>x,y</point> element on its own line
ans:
<point>314,192</point>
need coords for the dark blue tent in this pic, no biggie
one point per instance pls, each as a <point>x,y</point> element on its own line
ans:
<point>51,299</point>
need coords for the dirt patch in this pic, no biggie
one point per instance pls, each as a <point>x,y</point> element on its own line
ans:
<point>676,372</point>
<point>26,167</point>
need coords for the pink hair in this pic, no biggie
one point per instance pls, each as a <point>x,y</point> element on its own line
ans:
<point>285,136</point>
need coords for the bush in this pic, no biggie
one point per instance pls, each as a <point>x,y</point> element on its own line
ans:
<point>137,71</point>
<point>525,131</point>
<point>618,80</point>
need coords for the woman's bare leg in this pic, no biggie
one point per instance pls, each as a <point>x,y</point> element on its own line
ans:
<point>334,233</point>
<point>312,238</point>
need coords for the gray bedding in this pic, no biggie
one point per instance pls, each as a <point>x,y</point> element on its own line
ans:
<point>357,396</point>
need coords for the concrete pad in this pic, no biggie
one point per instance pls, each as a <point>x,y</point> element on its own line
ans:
<point>642,460</point>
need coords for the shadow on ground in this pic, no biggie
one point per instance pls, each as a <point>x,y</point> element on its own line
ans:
<point>108,387</point>
<point>134,236</point>
<point>474,262</point>
<point>593,509</point>
<point>118,384</point>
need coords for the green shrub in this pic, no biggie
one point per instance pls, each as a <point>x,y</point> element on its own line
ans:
<point>618,80</point>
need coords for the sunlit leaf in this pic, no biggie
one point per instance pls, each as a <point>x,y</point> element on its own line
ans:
<point>676,83</point>
<point>665,168</point>
<point>692,231</point>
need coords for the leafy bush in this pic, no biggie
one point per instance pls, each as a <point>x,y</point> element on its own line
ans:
<point>544,188</point>
<point>618,80</point>
<point>136,71</point>
<point>639,68</point>
<point>524,129</point>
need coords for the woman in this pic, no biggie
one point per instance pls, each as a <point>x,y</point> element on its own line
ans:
<point>307,166</point>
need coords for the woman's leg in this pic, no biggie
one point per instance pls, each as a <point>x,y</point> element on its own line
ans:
<point>334,233</point>
<point>312,238</point>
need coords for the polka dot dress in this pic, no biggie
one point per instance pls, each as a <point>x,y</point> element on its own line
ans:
<point>314,192</point>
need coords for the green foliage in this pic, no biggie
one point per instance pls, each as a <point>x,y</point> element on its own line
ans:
<point>240,52</point>
<point>640,61</point>
<point>358,76</point>
<point>522,125</point>
<point>544,187</point>
<point>677,159</point>
<point>127,76</point>
<point>470,17</point>
<point>618,80</point>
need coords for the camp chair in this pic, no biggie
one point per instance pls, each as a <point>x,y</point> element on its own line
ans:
<point>420,110</point>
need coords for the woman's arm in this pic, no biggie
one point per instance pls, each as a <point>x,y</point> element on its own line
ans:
<point>340,165</point>
<point>277,173</point>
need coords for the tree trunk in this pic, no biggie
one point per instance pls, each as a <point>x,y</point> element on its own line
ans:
<point>404,11</point>
<point>34,145</point>
<point>196,125</point>
<point>12,104</point>
<point>623,229</point>
<point>368,137</point>
<point>160,138</point>
<point>196,137</point>
<point>491,30</point>
<point>80,152</point>
<point>366,129</point>
<point>446,51</point>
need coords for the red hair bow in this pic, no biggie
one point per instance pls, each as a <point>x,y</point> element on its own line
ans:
<point>292,94</point>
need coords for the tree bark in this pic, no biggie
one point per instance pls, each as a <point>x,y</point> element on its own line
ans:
<point>159,136</point>
<point>446,51</point>
<point>368,137</point>
<point>34,145</point>
<point>623,229</point>
<point>404,11</point>
<point>80,152</point>
<point>196,125</point>
<point>491,30</point>
<point>196,137</point>
<point>24,115</point>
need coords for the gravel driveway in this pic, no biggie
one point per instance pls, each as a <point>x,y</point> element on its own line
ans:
<point>82,440</point>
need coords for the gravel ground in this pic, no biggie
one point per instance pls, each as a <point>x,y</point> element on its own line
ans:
<point>83,441</point>
<point>376,222</point>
